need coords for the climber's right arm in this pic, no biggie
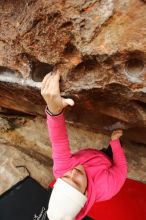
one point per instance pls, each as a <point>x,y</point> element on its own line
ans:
<point>56,123</point>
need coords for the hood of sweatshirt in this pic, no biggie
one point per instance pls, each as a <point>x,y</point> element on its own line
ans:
<point>91,195</point>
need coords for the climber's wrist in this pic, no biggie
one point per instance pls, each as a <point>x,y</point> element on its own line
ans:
<point>53,113</point>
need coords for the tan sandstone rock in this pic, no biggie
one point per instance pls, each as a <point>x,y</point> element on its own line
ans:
<point>99,46</point>
<point>16,165</point>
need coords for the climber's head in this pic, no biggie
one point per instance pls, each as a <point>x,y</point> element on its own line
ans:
<point>77,178</point>
<point>68,196</point>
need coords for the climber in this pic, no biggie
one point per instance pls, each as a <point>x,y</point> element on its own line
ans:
<point>82,178</point>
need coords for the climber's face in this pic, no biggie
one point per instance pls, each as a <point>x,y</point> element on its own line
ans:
<point>76,178</point>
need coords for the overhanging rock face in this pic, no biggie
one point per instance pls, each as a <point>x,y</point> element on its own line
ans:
<point>100,48</point>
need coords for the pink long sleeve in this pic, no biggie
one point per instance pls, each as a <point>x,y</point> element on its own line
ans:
<point>105,178</point>
<point>60,144</point>
<point>115,176</point>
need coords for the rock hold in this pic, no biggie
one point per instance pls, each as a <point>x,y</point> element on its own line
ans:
<point>100,48</point>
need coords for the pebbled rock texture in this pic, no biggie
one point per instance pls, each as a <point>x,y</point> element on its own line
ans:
<point>98,45</point>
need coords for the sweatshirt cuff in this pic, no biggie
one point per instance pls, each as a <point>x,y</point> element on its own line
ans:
<point>115,142</point>
<point>50,113</point>
<point>55,121</point>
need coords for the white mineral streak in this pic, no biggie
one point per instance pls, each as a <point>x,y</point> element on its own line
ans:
<point>11,78</point>
<point>141,90</point>
<point>117,125</point>
<point>107,6</point>
<point>137,78</point>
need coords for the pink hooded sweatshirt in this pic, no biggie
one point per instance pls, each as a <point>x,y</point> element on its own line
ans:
<point>105,177</point>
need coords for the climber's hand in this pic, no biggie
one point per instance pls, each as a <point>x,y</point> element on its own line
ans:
<point>51,93</point>
<point>116,134</point>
